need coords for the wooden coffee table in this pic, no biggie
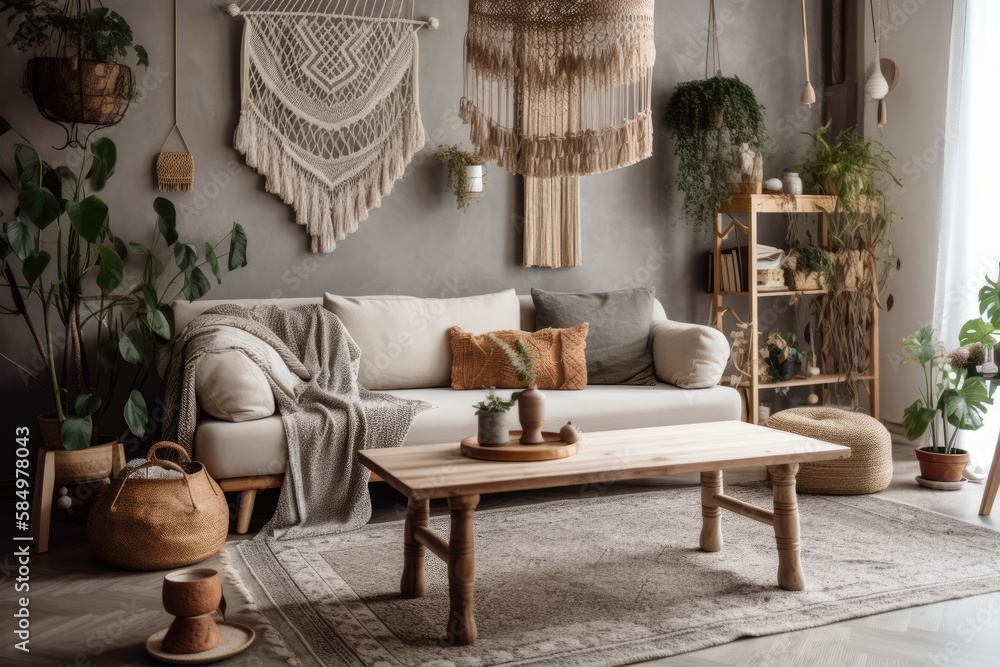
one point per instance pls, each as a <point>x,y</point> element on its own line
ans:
<point>440,471</point>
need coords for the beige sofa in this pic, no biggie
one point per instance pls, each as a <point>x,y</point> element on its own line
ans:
<point>689,361</point>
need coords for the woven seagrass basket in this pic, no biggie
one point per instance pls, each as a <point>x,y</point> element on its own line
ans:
<point>156,523</point>
<point>175,171</point>
<point>867,470</point>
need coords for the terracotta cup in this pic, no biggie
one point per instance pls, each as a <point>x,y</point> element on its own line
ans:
<point>192,595</point>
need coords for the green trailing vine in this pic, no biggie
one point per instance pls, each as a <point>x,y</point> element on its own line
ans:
<point>709,119</point>
<point>458,179</point>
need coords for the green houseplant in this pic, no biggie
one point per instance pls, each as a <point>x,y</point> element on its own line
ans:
<point>58,246</point>
<point>77,74</point>
<point>781,356</point>
<point>466,174</point>
<point>715,122</point>
<point>494,430</point>
<point>810,268</point>
<point>854,170</point>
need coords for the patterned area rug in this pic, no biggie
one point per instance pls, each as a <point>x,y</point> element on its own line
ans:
<point>610,580</point>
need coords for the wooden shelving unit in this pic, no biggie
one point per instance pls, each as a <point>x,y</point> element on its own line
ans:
<point>751,207</point>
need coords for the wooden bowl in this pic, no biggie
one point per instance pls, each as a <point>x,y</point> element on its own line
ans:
<point>192,592</point>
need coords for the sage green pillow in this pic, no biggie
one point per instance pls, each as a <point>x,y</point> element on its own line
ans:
<point>618,347</point>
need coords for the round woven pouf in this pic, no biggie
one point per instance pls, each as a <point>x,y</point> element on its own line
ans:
<point>867,470</point>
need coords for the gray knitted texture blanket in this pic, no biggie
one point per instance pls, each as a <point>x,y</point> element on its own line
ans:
<point>330,418</point>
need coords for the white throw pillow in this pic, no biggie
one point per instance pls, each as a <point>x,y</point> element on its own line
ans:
<point>405,341</point>
<point>690,356</point>
<point>230,385</point>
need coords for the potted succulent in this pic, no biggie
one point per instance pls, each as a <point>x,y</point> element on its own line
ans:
<point>82,79</point>
<point>782,358</point>
<point>466,174</point>
<point>854,170</point>
<point>530,401</point>
<point>951,400</point>
<point>809,268</point>
<point>58,245</point>
<point>492,412</point>
<point>721,140</point>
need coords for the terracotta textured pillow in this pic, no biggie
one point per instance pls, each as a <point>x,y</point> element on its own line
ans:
<point>560,360</point>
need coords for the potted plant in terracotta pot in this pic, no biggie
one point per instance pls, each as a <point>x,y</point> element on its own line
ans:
<point>64,269</point>
<point>82,78</point>
<point>466,174</point>
<point>951,400</point>
<point>530,401</point>
<point>721,141</point>
<point>494,430</point>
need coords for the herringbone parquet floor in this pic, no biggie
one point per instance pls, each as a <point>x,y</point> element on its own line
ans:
<point>85,614</point>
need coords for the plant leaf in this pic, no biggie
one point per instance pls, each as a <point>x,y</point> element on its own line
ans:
<point>135,413</point>
<point>157,322</point>
<point>87,405</point>
<point>196,285</point>
<point>140,248</point>
<point>989,301</point>
<point>921,346</point>
<point>76,432</point>
<point>166,219</point>
<point>977,331</point>
<point>186,257</point>
<point>105,155</point>
<point>38,204</point>
<point>107,352</point>
<point>29,164</point>
<point>163,360</point>
<point>237,248</point>
<point>89,218</point>
<point>130,345</point>
<point>111,271</point>
<point>916,419</point>
<point>964,408</point>
<point>120,247</point>
<point>20,238</point>
<point>213,261</point>
<point>34,266</point>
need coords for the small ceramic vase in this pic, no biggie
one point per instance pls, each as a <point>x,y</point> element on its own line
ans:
<point>493,430</point>
<point>192,595</point>
<point>791,183</point>
<point>531,414</point>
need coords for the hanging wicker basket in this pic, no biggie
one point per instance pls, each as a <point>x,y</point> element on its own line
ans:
<point>175,170</point>
<point>76,90</point>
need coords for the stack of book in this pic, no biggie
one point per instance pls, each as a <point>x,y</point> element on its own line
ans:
<point>734,267</point>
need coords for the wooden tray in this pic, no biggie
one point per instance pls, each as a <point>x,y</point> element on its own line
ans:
<point>552,448</point>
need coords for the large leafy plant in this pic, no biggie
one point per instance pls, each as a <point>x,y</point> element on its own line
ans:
<point>58,247</point>
<point>96,33</point>
<point>710,119</point>
<point>951,399</point>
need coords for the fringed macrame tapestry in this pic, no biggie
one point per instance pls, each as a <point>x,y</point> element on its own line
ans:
<point>558,89</point>
<point>329,105</point>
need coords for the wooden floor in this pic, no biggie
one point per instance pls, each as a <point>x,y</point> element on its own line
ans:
<point>86,614</point>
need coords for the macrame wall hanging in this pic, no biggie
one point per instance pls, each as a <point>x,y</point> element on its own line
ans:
<point>556,90</point>
<point>330,111</point>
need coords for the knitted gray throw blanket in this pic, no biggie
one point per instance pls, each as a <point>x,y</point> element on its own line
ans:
<point>330,418</point>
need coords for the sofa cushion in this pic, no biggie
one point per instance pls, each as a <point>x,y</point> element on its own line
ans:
<point>405,341</point>
<point>558,356</point>
<point>690,356</point>
<point>230,385</point>
<point>618,349</point>
<point>245,449</point>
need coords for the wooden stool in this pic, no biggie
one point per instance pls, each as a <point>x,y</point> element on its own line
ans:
<point>992,484</point>
<point>45,483</point>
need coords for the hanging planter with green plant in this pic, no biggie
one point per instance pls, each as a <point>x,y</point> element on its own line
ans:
<point>466,174</point>
<point>716,122</point>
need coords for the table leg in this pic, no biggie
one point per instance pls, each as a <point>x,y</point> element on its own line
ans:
<point>786,526</point>
<point>992,484</point>
<point>711,521</point>
<point>417,514</point>
<point>461,571</point>
<point>45,480</point>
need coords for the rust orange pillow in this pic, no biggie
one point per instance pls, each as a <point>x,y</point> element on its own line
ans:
<point>560,362</point>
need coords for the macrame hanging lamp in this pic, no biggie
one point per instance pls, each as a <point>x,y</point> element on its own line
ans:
<point>174,169</point>
<point>556,90</point>
<point>329,111</point>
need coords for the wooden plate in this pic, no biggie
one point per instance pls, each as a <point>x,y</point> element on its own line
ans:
<point>235,639</point>
<point>553,448</point>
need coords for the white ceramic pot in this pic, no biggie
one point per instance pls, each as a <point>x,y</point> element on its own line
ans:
<point>791,183</point>
<point>474,174</point>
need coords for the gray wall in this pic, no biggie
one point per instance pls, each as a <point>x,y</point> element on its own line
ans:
<point>418,242</point>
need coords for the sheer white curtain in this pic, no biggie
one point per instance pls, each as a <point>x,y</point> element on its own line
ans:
<point>969,246</point>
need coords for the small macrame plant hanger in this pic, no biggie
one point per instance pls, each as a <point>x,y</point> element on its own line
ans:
<point>175,170</point>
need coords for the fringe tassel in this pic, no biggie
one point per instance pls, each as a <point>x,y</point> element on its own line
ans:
<point>329,211</point>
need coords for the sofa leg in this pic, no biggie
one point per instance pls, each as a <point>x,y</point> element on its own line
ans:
<point>247,499</point>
